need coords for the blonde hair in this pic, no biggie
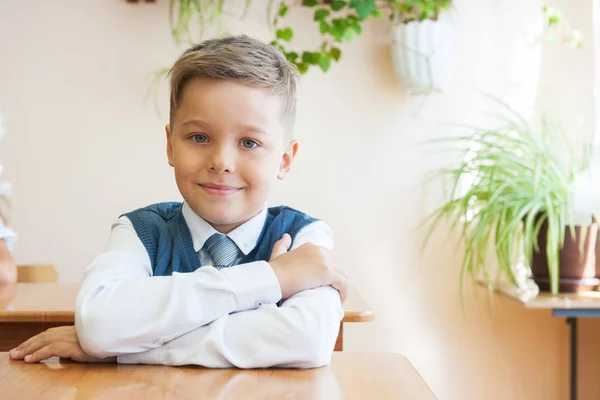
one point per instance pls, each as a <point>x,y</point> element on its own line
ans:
<point>243,59</point>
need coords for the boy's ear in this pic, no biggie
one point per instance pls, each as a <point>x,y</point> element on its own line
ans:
<point>287,159</point>
<point>169,145</point>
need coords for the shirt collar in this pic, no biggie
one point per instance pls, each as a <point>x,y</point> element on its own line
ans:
<point>244,236</point>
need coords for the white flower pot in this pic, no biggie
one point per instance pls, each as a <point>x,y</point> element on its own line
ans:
<point>419,56</point>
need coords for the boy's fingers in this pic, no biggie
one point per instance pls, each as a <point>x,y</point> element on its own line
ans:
<point>281,246</point>
<point>60,336</point>
<point>41,339</point>
<point>16,355</point>
<point>341,285</point>
<point>54,349</point>
<point>31,345</point>
<point>284,243</point>
<point>28,342</point>
<point>57,349</point>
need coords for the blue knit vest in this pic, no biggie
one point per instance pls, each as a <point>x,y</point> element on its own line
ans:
<point>165,235</point>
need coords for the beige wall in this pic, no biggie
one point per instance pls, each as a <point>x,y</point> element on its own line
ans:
<point>81,148</point>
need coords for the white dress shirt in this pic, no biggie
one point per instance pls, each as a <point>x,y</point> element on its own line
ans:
<point>207,317</point>
<point>8,235</point>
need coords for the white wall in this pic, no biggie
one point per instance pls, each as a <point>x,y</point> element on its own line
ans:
<point>82,147</point>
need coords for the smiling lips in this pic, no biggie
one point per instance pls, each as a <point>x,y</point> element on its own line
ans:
<point>219,190</point>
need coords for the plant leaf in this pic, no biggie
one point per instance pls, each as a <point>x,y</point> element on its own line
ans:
<point>324,62</point>
<point>337,5</point>
<point>321,14</point>
<point>309,3</point>
<point>365,8</point>
<point>283,10</point>
<point>284,34</point>
<point>335,53</point>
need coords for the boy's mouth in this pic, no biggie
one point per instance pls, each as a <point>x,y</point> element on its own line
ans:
<point>219,190</point>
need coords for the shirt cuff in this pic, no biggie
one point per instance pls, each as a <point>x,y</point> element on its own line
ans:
<point>254,284</point>
<point>152,357</point>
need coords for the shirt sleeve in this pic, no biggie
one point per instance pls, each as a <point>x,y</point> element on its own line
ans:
<point>301,333</point>
<point>121,308</point>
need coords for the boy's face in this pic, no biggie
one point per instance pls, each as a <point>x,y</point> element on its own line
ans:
<point>228,147</point>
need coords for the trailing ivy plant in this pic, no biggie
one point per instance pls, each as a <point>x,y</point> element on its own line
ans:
<point>338,22</point>
<point>341,21</point>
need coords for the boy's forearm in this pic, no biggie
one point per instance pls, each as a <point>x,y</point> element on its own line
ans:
<point>299,334</point>
<point>122,314</point>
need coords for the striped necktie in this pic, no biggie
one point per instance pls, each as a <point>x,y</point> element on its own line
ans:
<point>222,250</point>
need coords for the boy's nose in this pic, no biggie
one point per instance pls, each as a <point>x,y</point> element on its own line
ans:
<point>222,160</point>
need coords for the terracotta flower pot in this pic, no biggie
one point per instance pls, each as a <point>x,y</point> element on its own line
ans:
<point>577,271</point>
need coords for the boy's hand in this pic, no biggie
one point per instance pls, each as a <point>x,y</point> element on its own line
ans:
<point>55,342</point>
<point>307,267</point>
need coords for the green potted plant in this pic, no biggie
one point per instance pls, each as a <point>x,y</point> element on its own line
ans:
<point>419,43</point>
<point>417,33</point>
<point>341,21</point>
<point>511,197</point>
<point>338,21</point>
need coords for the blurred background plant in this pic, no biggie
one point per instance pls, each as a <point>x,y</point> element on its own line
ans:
<point>559,29</point>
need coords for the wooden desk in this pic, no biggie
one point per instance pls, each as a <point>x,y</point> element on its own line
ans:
<point>27,309</point>
<point>569,305</point>
<point>355,310</point>
<point>350,376</point>
<point>562,301</point>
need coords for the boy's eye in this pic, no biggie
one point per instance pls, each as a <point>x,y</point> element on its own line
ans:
<point>199,138</point>
<point>249,143</point>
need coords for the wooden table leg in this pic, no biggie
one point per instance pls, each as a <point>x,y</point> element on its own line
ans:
<point>339,343</point>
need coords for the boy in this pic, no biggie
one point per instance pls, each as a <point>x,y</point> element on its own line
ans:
<point>200,282</point>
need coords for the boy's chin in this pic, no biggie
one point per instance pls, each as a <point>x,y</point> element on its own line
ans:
<point>224,213</point>
<point>225,218</point>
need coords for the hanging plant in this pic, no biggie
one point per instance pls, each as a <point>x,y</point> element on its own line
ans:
<point>341,21</point>
<point>338,22</point>
<point>184,15</point>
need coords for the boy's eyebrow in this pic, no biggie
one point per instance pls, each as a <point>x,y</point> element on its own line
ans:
<point>197,122</point>
<point>246,127</point>
<point>252,128</point>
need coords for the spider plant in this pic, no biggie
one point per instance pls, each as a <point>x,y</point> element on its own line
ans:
<point>516,179</point>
